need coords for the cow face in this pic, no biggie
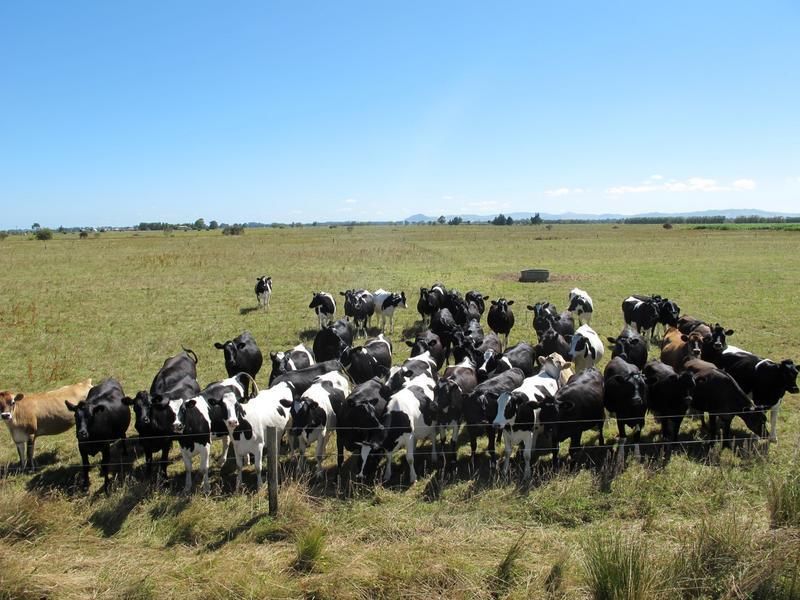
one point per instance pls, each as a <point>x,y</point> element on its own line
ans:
<point>84,416</point>
<point>447,397</point>
<point>756,420</point>
<point>178,408</point>
<point>718,337</point>
<point>694,343</point>
<point>631,387</point>
<point>489,364</point>
<point>142,409</point>
<point>668,312</point>
<point>789,375</point>
<point>552,365</point>
<point>582,348</point>
<point>7,404</point>
<point>507,406</point>
<point>232,410</point>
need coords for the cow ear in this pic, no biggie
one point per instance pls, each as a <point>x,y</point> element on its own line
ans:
<point>409,343</point>
<point>70,406</point>
<point>541,360</point>
<point>494,302</point>
<point>530,307</point>
<point>341,293</point>
<point>218,346</point>
<point>190,403</point>
<point>99,408</point>
<point>684,338</point>
<point>20,396</point>
<point>729,332</point>
<point>510,302</point>
<point>592,351</point>
<point>127,401</point>
<point>273,355</point>
<point>612,339</point>
<point>285,403</point>
<point>566,366</point>
<point>486,297</point>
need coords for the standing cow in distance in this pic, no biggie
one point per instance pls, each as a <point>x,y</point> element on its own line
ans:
<point>242,355</point>
<point>501,318</point>
<point>386,303</point>
<point>263,291</point>
<point>581,305</point>
<point>324,306</point>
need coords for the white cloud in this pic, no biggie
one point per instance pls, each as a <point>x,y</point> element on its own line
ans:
<point>563,191</point>
<point>656,177</point>
<point>350,201</point>
<point>447,197</point>
<point>692,184</point>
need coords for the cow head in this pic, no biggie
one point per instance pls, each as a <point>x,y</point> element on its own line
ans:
<point>142,409</point>
<point>789,375</point>
<point>694,344</point>
<point>7,403</point>
<point>232,408</point>
<point>630,386</point>
<point>755,418</point>
<point>582,348</point>
<point>553,364</point>
<point>668,312</point>
<point>179,411</point>
<point>718,337</point>
<point>501,304</point>
<point>478,299</point>
<point>448,398</point>
<point>84,416</point>
<point>508,404</point>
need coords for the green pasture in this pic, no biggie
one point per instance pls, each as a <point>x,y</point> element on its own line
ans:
<point>117,305</point>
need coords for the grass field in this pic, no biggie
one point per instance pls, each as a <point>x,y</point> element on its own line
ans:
<point>710,525</point>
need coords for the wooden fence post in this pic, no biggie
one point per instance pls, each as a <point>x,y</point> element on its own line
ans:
<point>272,469</point>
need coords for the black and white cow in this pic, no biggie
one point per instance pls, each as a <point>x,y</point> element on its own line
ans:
<point>543,313</point>
<point>577,407</point>
<point>642,313</point>
<point>430,300</point>
<point>359,306</point>
<point>410,418</point>
<point>586,349</point>
<point>465,347</point>
<point>764,380</point>
<point>101,419</point>
<point>629,345</point>
<point>521,355</point>
<point>624,398</point>
<point>457,382</point>
<point>580,304</point>
<point>668,313</point>
<point>301,379</point>
<point>359,421</point>
<point>427,341</point>
<point>298,357</point>
<point>480,408</point>
<point>242,355</point>
<point>716,343</point>
<point>324,306</point>
<point>270,408</point>
<point>386,303</point>
<point>263,291</point>
<point>518,414</point>
<point>445,326</point>
<point>501,318</point>
<point>332,339</point>
<point>372,359</point>
<point>412,367</point>
<point>177,379</point>
<point>552,341</point>
<point>475,299</point>
<point>313,416</point>
<point>718,394</point>
<point>669,396</point>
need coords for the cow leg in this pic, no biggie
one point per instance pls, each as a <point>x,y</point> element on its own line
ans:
<point>473,443</point>
<point>258,463</point>
<point>205,459</point>
<point>727,438</point>
<point>492,452</point>
<point>22,454</point>
<point>187,465</point>
<point>226,440</point>
<point>387,472</point>
<point>322,444</point>
<point>637,436</point>
<point>148,462</point>
<point>529,442</point>
<point>85,470</point>
<point>339,451</point>
<point>365,449</point>
<point>410,445</point>
<point>239,467</point>
<point>434,455</point>
<point>30,447</point>
<point>162,466</point>
<point>105,460</point>
<point>773,422</point>
<point>301,443</point>
<point>507,451</point>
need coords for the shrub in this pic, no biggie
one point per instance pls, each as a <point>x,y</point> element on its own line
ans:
<point>234,229</point>
<point>83,235</point>
<point>3,235</point>
<point>667,225</point>
<point>44,234</point>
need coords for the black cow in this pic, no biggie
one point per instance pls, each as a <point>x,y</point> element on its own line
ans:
<point>715,344</point>
<point>669,396</point>
<point>359,420</point>
<point>427,341</point>
<point>298,357</point>
<point>766,381</point>
<point>630,346</point>
<point>445,326</point>
<point>373,359</point>
<point>301,379</point>
<point>641,313</point>
<point>552,341</point>
<point>457,305</point>
<point>331,340</point>
<point>429,302</point>
<point>577,407</point>
<point>177,379</point>
<point>457,382</point>
<point>263,291</point>
<point>543,313</point>
<point>324,306</point>
<point>242,355</point>
<point>480,408</point>
<point>101,419</point>
<point>624,397</point>
<point>521,355</point>
<point>478,300</point>
<point>501,318</point>
<point>465,347</point>
<point>718,394</point>
<point>668,312</point>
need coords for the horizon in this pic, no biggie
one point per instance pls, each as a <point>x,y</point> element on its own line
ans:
<point>121,114</point>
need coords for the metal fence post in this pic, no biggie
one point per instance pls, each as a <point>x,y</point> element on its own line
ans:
<point>272,469</point>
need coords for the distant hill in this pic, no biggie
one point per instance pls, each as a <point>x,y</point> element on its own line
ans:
<point>728,213</point>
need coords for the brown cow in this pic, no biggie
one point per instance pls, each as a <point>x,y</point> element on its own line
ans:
<point>677,347</point>
<point>32,415</point>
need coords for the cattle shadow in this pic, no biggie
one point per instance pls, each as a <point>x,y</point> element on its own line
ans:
<point>410,332</point>
<point>110,519</point>
<point>65,478</point>
<point>232,534</point>
<point>246,310</point>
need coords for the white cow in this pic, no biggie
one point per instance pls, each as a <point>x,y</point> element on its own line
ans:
<point>580,304</point>
<point>586,348</point>
<point>385,305</point>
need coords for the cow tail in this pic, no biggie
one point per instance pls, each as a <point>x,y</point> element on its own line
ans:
<point>255,385</point>
<point>191,353</point>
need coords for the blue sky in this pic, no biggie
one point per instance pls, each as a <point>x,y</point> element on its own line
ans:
<point>120,112</point>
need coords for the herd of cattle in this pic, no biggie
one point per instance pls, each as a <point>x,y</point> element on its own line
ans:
<point>534,396</point>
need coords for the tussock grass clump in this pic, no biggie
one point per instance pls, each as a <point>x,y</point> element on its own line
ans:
<point>783,500</point>
<point>507,571</point>
<point>310,544</point>
<point>618,566</point>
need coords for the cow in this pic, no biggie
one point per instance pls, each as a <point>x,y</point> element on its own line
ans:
<point>445,326</point>
<point>520,355</point>
<point>480,408</point>
<point>716,343</point>
<point>176,380</point>
<point>718,394</point>
<point>332,339</point>
<point>372,359</point>
<point>677,347</point>
<point>577,407</point>
<point>764,380</point>
<point>630,346</point>
<point>552,341</point>
<point>478,300</point>
<point>669,396</point>
<point>359,421</point>
<point>313,416</point>
<point>501,318</point>
<point>518,413</point>
<point>212,414</point>
<point>359,306</point>
<point>301,379</point>
<point>427,341</point>
<point>542,313</point>
<point>101,419</point>
<point>557,367</point>
<point>641,313</point>
<point>586,349</point>
<point>31,415</point>
<point>410,418</point>
<point>466,347</point>
<point>269,408</point>
<point>430,300</point>
<point>459,307</point>
<point>324,305</point>
<point>413,366</point>
<point>580,304</point>
<point>624,396</point>
<point>386,303</point>
<point>263,291</point>
<point>453,386</point>
<point>298,357</point>
<point>668,312</point>
<point>242,355</point>
<point>564,324</point>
